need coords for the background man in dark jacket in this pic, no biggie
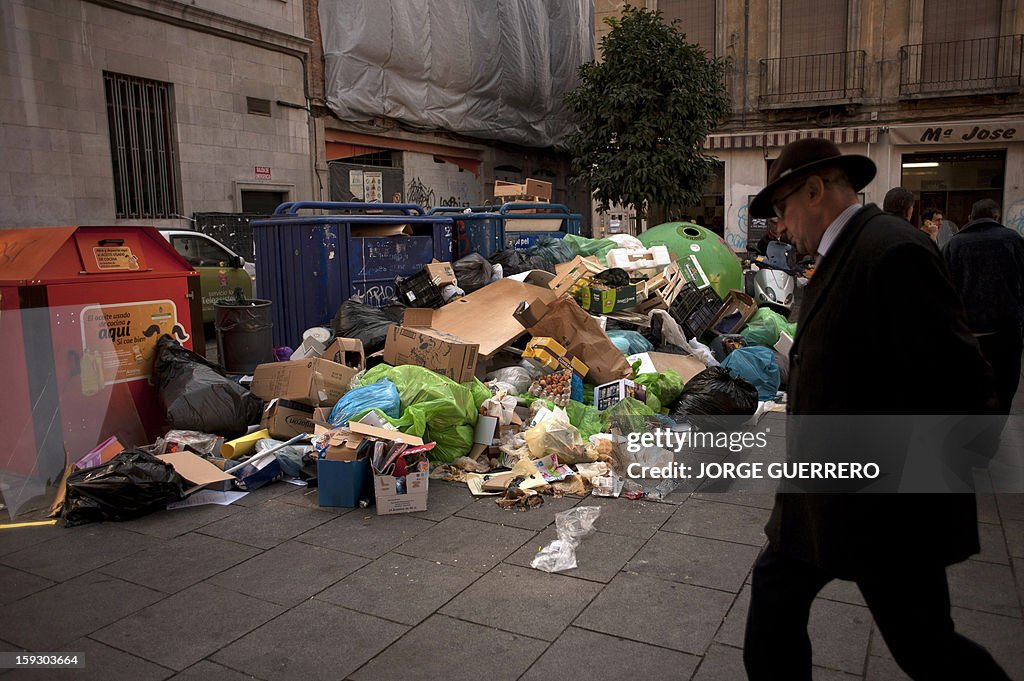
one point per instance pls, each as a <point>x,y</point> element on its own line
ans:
<point>899,201</point>
<point>986,261</point>
<point>876,276</point>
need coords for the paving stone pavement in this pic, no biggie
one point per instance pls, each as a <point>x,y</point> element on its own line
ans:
<point>277,588</point>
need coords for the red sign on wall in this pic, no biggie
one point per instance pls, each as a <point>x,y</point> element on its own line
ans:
<point>262,172</point>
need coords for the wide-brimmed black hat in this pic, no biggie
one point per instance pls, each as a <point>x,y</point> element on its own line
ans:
<point>803,157</point>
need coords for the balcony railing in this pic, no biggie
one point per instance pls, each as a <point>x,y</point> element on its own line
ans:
<point>961,66</point>
<point>812,78</point>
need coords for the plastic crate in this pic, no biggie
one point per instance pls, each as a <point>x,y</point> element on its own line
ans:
<point>419,291</point>
<point>695,308</point>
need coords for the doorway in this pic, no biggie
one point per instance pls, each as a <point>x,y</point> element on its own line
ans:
<point>952,182</point>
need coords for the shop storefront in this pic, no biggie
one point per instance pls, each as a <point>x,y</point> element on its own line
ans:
<point>948,166</point>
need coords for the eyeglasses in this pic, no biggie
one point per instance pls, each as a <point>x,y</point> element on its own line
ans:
<point>779,206</point>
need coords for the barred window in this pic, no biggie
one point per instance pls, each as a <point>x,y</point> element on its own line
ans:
<point>143,149</point>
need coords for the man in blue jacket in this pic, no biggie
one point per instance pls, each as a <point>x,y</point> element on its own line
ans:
<point>986,261</point>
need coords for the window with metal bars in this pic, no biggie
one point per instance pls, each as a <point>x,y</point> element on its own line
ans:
<point>143,149</point>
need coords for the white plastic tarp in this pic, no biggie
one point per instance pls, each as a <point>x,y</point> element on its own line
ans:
<point>496,69</point>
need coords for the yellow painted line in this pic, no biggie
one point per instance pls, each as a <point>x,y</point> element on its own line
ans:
<point>38,523</point>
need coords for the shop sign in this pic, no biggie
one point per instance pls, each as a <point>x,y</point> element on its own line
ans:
<point>118,341</point>
<point>959,133</point>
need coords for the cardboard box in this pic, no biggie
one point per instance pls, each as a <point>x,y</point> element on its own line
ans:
<point>313,381</point>
<point>736,302</point>
<point>406,494</point>
<point>441,273</point>
<point>416,343</point>
<point>347,352</point>
<point>342,478</point>
<point>547,353</point>
<point>538,189</point>
<point>285,419</point>
<point>604,300</point>
<point>614,392</point>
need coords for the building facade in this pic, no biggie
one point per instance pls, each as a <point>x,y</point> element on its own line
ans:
<point>931,92</point>
<point>151,111</point>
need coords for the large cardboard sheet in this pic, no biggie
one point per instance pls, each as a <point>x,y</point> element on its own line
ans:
<point>485,316</point>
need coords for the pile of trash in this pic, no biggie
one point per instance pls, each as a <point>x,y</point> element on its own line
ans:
<point>522,375</point>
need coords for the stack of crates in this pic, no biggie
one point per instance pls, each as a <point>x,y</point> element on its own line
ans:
<point>695,308</point>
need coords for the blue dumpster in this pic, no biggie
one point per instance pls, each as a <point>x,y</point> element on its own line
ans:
<point>309,264</point>
<point>487,230</point>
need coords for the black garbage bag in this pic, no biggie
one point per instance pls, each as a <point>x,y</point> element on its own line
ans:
<point>370,325</point>
<point>132,484</point>
<point>198,396</point>
<point>717,399</point>
<point>473,272</point>
<point>613,278</point>
<point>550,248</point>
<point>516,262</point>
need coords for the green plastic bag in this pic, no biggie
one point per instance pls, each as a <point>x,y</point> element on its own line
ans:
<point>586,419</point>
<point>628,414</point>
<point>435,407</point>
<point>581,245</point>
<point>662,389</point>
<point>765,327</point>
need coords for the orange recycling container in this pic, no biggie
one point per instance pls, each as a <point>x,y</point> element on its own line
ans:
<point>81,309</point>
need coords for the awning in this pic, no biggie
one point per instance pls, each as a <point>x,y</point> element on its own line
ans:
<point>760,140</point>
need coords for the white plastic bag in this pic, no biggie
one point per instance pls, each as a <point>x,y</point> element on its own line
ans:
<point>572,526</point>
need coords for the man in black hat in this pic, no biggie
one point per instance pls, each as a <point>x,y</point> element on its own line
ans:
<point>877,279</point>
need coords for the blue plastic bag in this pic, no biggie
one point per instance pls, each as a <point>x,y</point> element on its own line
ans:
<point>381,395</point>
<point>757,365</point>
<point>630,342</point>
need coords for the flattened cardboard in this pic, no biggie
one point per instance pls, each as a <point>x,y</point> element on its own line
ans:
<point>285,419</point>
<point>195,469</point>
<point>494,303</point>
<point>309,381</point>
<point>347,352</point>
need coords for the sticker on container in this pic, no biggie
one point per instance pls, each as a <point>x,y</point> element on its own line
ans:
<point>119,341</point>
<point>695,248</point>
<point>115,258</point>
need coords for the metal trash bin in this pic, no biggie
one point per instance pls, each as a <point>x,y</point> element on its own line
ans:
<point>244,334</point>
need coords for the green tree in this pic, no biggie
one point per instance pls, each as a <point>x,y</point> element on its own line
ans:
<point>642,114</point>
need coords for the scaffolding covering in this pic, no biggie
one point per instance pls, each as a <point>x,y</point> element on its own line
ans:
<point>495,69</point>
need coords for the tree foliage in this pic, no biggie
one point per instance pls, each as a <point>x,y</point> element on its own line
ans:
<point>642,114</point>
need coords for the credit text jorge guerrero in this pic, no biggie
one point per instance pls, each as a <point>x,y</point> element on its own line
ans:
<point>757,470</point>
